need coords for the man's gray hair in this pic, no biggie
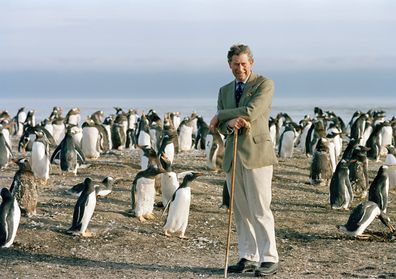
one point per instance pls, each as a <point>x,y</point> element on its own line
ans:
<point>239,49</point>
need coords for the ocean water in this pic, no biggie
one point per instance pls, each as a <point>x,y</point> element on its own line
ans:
<point>297,108</point>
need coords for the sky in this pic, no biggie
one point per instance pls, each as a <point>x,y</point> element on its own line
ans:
<point>153,48</point>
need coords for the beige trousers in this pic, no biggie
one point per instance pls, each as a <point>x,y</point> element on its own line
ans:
<point>253,216</point>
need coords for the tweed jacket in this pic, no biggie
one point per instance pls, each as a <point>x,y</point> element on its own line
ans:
<point>255,148</point>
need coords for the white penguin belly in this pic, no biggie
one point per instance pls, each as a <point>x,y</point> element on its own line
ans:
<point>89,142</point>
<point>40,161</point>
<point>145,192</point>
<point>179,211</point>
<point>169,184</point>
<point>185,138</point>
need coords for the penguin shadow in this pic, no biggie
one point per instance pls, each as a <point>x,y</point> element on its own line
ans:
<point>303,237</point>
<point>315,189</point>
<point>18,255</point>
<point>372,236</point>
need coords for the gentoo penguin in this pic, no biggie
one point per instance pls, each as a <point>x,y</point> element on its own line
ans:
<point>305,124</point>
<point>5,149</point>
<point>341,195</point>
<point>40,159</point>
<point>10,215</point>
<point>358,171</point>
<point>30,119</point>
<point>84,209</point>
<point>149,158</point>
<point>386,137</point>
<point>315,132</point>
<point>361,217</point>
<point>73,117</point>
<point>118,131</point>
<point>374,143</point>
<point>214,151</point>
<point>19,119</point>
<point>286,141</point>
<point>321,169</point>
<point>185,133</point>
<point>167,146</point>
<point>77,189</point>
<point>24,188</point>
<point>179,207</point>
<point>90,143</point>
<point>390,161</point>
<point>69,153</point>
<point>106,187</point>
<point>97,117</point>
<point>131,139</point>
<point>143,193</point>
<point>169,181</point>
<point>202,132</point>
<point>176,120</point>
<point>58,129</point>
<point>358,127</point>
<point>379,189</point>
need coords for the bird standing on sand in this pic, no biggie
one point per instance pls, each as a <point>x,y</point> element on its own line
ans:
<point>179,207</point>
<point>10,215</point>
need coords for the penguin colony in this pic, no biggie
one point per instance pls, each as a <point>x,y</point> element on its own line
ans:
<point>61,140</point>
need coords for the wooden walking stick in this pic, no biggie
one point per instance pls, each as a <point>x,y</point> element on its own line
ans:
<point>231,201</point>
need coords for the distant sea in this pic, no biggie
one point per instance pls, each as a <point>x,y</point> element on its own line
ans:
<point>295,107</point>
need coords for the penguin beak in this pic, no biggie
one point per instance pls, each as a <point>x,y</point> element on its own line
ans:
<point>391,228</point>
<point>197,174</point>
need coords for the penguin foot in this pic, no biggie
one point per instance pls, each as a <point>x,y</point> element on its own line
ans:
<point>87,234</point>
<point>167,233</point>
<point>149,216</point>
<point>363,237</point>
<point>141,218</point>
<point>182,236</point>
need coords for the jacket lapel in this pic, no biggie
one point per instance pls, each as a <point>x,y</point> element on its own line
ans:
<point>248,90</point>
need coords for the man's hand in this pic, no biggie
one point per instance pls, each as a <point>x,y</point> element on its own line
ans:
<point>214,122</point>
<point>238,123</point>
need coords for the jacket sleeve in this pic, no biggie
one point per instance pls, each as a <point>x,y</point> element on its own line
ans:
<point>260,101</point>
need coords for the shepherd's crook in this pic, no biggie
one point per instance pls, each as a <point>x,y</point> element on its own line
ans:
<point>231,201</point>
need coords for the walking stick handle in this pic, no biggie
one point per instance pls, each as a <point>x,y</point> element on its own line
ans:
<point>231,201</point>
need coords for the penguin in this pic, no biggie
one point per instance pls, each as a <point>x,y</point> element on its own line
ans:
<point>169,181</point>
<point>58,129</point>
<point>103,143</point>
<point>69,153</point>
<point>10,216</point>
<point>185,133</point>
<point>19,119</point>
<point>341,195</point>
<point>306,124</point>
<point>5,149</point>
<point>143,193</point>
<point>386,137</point>
<point>361,217</point>
<point>202,132</point>
<point>214,151</point>
<point>105,188</point>
<point>24,188</point>
<point>176,120</point>
<point>40,159</point>
<point>167,146</point>
<point>379,189</point>
<point>73,117</point>
<point>286,142</point>
<point>118,131</point>
<point>149,158</point>
<point>358,127</point>
<point>77,189</point>
<point>374,143</point>
<point>179,207</point>
<point>83,210</point>
<point>390,161</point>
<point>131,139</point>
<point>91,140</point>
<point>321,169</point>
<point>225,202</point>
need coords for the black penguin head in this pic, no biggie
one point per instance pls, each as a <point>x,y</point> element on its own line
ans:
<point>23,164</point>
<point>190,177</point>
<point>391,149</point>
<point>108,180</point>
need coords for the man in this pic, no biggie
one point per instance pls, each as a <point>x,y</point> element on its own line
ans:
<point>244,107</point>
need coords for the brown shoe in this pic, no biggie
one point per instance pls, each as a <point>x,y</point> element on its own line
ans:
<point>243,266</point>
<point>265,269</point>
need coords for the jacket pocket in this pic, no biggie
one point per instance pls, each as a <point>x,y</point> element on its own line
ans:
<point>260,138</point>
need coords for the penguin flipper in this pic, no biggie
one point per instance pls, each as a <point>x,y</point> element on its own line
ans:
<point>365,216</point>
<point>80,155</point>
<point>9,148</point>
<point>56,154</point>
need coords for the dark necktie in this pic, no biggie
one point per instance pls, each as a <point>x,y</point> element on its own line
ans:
<point>238,92</point>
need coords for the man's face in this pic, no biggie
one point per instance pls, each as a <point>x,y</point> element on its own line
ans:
<point>241,66</point>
